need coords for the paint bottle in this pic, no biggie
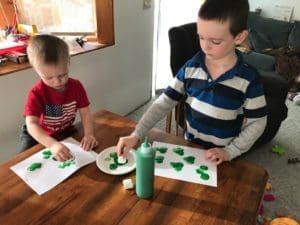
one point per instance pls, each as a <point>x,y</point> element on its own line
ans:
<point>145,158</point>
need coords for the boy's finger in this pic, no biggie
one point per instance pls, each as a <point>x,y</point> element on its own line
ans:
<point>120,147</point>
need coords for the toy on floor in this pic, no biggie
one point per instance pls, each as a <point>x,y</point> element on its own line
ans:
<point>278,149</point>
<point>283,221</point>
<point>293,160</point>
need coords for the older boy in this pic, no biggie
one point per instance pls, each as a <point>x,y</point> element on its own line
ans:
<point>52,104</point>
<point>225,107</point>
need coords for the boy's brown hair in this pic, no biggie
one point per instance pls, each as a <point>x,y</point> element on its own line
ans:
<point>236,11</point>
<point>47,49</point>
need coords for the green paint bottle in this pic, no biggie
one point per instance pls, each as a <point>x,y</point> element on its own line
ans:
<point>145,158</point>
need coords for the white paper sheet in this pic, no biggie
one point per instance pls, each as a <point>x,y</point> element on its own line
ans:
<point>49,175</point>
<point>188,172</point>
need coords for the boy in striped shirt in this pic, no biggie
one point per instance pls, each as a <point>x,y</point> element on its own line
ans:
<point>225,107</point>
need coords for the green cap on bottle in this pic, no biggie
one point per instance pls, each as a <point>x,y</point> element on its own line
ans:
<point>146,143</point>
<point>146,147</point>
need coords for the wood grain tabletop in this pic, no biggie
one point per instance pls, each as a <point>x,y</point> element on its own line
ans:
<point>90,197</point>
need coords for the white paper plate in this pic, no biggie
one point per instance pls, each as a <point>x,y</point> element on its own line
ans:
<point>103,161</point>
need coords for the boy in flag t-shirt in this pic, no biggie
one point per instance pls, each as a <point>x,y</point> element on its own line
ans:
<point>52,103</point>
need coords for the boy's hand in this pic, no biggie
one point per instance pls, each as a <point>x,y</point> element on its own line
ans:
<point>88,142</point>
<point>125,144</point>
<point>61,152</point>
<point>216,155</point>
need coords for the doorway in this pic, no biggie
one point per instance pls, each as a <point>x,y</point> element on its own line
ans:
<point>168,13</point>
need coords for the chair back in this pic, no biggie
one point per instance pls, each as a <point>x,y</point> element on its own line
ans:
<point>184,44</point>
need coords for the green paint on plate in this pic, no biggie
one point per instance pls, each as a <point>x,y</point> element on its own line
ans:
<point>116,163</point>
<point>113,155</point>
<point>113,166</point>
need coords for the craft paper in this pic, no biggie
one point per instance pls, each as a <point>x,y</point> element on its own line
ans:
<point>188,172</point>
<point>50,174</point>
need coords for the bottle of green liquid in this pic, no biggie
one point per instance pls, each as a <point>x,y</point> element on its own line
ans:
<point>145,158</point>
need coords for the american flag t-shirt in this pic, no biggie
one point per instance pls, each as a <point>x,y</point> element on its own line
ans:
<point>58,117</point>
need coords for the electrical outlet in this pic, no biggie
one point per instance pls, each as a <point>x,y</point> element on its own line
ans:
<point>146,4</point>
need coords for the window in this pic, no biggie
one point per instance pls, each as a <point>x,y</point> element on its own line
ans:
<point>77,17</point>
<point>58,16</point>
<point>101,28</point>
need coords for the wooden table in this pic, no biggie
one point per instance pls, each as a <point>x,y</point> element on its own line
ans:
<point>92,197</point>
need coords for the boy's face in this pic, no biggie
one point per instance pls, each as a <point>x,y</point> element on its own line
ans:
<point>54,76</point>
<point>215,38</point>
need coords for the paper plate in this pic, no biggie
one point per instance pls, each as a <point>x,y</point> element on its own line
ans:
<point>104,160</point>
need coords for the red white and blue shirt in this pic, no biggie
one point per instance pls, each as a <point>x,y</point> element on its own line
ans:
<point>56,110</point>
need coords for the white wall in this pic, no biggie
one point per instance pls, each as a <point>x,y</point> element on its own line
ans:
<point>117,78</point>
<point>267,7</point>
<point>168,12</point>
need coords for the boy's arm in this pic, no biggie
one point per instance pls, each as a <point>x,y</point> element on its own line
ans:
<point>86,119</point>
<point>38,133</point>
<point>155,113</point>
<point>255,114</point>
<point>89,141</point>
<point>251,131</point>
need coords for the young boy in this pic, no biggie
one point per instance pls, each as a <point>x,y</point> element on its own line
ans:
<point>225,108</point>
<point>52,104</point>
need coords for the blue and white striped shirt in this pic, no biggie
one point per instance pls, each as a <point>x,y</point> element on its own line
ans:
<point>228,112</point>
<point>215,109</point>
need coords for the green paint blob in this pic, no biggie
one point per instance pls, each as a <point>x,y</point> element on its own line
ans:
<point>204,176</point>
<point>46,154</point>
<point>162,149</point>
<point>177,165</point>
<point>178,151</point>
<point>34,166</point>
<point>55,159</point>
<point>116,163</point>
<point>189,159</point>
<point>203,167</point>
<point>159,159</point>
<point>113,166</point>
<point>66,164</point>
<point>199,171</point>
<point>113,155</point>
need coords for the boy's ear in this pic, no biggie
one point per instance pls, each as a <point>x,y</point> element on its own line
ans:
<point>239,39</point>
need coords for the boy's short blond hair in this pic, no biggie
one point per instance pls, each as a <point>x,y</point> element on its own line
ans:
<point>47,49</point>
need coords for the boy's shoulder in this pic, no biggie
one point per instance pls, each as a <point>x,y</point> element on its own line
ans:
<point>75,84</point>
<point>38,86</point>
<point>73,81</point>
<point>197,60</point>
<point>245,70</point>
